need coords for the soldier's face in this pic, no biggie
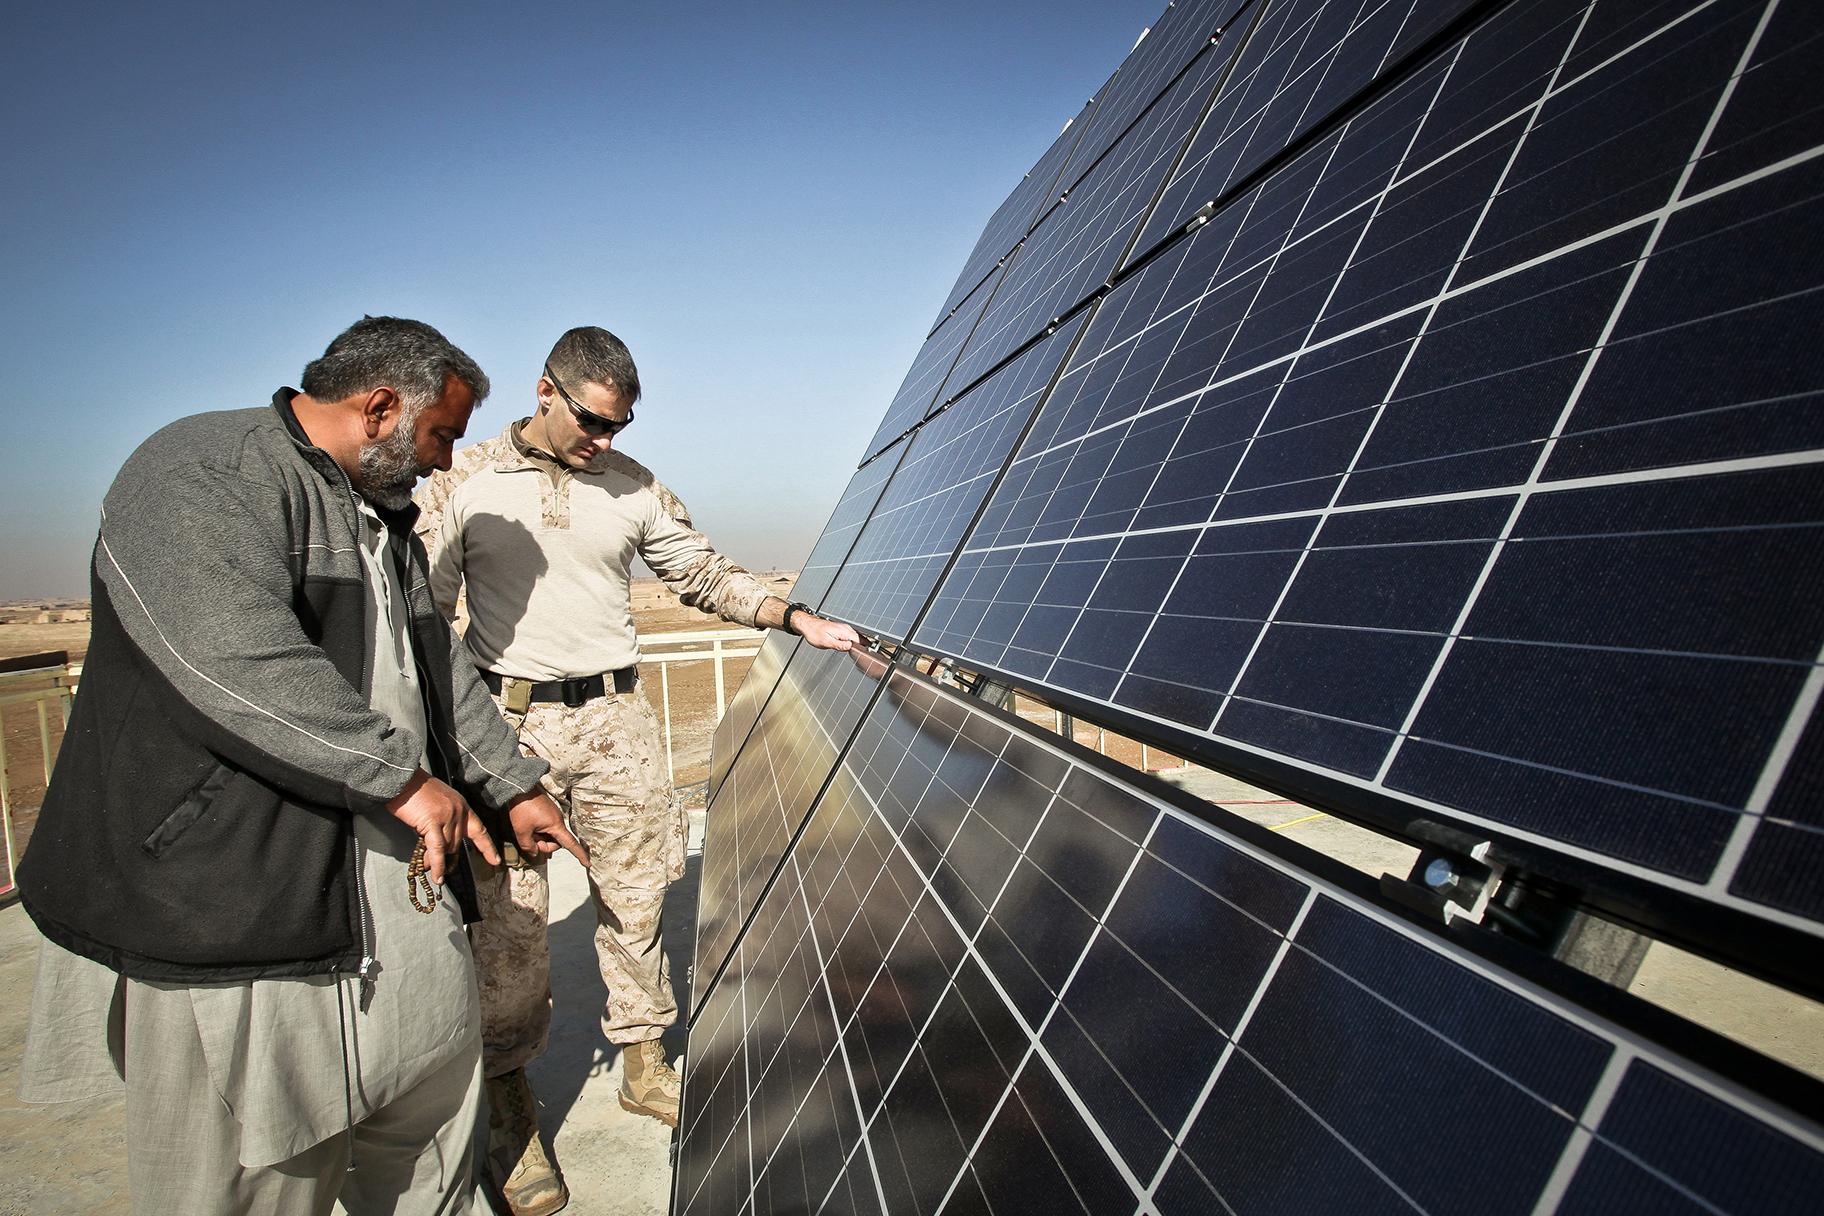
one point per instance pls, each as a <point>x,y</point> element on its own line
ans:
<point>569,441</point>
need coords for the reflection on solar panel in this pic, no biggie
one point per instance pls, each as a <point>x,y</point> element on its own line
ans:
<point>1413,407</point>
<point>993,978</point>
<point>769,787</point>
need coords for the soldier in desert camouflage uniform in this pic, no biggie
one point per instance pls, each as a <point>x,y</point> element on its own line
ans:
<point>542,525</point>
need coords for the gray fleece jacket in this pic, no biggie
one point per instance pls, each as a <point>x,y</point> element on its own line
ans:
<point>198,823</point>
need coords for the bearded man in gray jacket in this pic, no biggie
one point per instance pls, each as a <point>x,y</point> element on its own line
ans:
<point>263,795</point>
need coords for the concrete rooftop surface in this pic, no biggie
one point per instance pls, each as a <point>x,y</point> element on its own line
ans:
<point>71,1159</point>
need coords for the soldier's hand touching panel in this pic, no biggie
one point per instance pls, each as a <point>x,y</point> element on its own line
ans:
<point>824,634</point>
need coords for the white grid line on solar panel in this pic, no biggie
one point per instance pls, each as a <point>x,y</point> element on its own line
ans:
<point>1073,251</point>
<point>1794,722</point>
<point>742,982</point>
<point>911,520</point>
<point>693,1123</point>
<point>1489,29</point>
<point>1014,218</point>
<point>860,497</point>
<point>1729,862</point>
<point>1228,1047</point>
<point>747,840</point>
<point>735,1074</point>
<point>1708,468</point>
<point>1169,216</point>
<point>809,931</point>
<point>1172,42</point>
<point>1292,227</point>
<point>867,1142</point>
<point>880,872</point>
<point>863,1142</point>
<point>1571,1159</point>
<point>1034,1034</point>
<point>744,708</point>
<point>970,953</point>
<point>1614,1036</point>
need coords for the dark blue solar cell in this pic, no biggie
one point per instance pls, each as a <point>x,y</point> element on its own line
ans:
<point>1784,868</point>
<point>1686,1139</point>
<point>1339,1050</point>
<point>1775,111</point>
<point>1686,376</point>
<point>1610,148</point>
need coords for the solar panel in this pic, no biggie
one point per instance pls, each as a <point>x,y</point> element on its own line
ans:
<point>1037,192</point>
<point>845,524</point>
<point>1424,495</point>
<point>994,977</point>
<point>1431,433</point>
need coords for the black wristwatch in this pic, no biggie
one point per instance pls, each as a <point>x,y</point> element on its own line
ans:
<point>785,622</point>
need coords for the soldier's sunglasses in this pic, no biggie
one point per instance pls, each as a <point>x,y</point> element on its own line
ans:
<point>591,422</point>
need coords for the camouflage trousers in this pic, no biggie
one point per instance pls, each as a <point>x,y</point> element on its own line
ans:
<point>608,775</point>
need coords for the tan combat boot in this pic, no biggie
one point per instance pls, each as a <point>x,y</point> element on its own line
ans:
<point>517,1165</point>
<point>649,1086</point>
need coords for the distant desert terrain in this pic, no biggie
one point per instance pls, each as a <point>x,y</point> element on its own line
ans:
<point>37,626</point>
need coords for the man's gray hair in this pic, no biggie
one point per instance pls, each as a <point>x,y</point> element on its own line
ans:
<point>408,357</point>
<point>589,353</point>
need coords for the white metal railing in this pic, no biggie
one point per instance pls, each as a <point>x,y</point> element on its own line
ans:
<point>62,691</point>
<point>703,646</point>
<point>664,650</point>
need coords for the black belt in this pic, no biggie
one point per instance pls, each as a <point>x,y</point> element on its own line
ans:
<point>573,692</point>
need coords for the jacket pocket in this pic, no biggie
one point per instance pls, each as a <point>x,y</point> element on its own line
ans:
<point>191,809</point>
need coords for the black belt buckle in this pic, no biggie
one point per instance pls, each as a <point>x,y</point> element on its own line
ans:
<point>575,693</point>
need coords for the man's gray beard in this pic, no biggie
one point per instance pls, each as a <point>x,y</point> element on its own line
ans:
<point>389,467</point>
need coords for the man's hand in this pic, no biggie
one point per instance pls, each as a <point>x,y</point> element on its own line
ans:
<point>825,635</point>
<point>539,828</point>
<point>442,820</point>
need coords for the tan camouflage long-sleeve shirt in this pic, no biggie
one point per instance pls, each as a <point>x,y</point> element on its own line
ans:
<point>547,555</point>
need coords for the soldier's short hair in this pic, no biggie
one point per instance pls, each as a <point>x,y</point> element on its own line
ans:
<point>408,357</point>
<point>590,353</point>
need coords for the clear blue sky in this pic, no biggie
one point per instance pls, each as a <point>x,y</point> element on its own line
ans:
<point>768,202</point>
